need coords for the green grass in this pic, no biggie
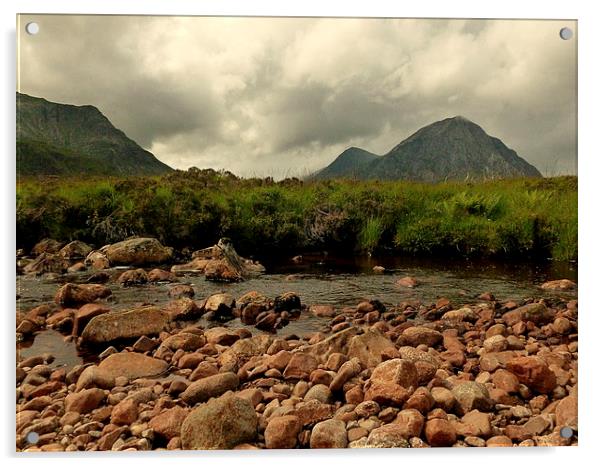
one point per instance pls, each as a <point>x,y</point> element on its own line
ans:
<point>508,218</point>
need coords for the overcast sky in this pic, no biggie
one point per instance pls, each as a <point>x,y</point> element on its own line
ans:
<point>283,97</point>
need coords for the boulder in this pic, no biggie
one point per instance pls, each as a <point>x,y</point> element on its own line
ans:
<point>300,366</point>
<point>137,251</point>
<point>125,324</point>
<point>46,263</point>
<point>160,275</point>
<point>559,285</point>
<point>221,305</point>
<point>132,366</point>
<point>97,260</point>
<point>183,309</point>
<point>48,246</point>
<point>133,277</point>
<point>395,371</point>
<point>220,424</point>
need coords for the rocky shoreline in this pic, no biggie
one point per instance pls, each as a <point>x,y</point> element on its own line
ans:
<point>413,375</point>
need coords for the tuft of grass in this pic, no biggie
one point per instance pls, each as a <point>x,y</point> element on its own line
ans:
<point>370,234</point>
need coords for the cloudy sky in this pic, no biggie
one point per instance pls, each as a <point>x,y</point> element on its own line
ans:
<point>284,96</point>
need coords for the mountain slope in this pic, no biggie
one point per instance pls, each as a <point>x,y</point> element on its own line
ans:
<point>350,164</point>
<point>59,139</point>
<point>450,149</point>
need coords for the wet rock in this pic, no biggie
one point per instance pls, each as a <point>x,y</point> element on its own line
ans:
<point>181,291</point>
<point>133,277</point>
<point>85,401</point>
<point>132,366</point>
<point>71,293</point>
<point>168,424</point>
<point>221,423</point>
<point>208,387</point>
<point>281,432</point>
<point>471,395</point>
<point>533,372</point>
<point>407,282</point>
<point>288,301</point>
<point>125,324</point>
<point>440,433</point>
<point>137,251</point>
<point>221,305</point>
<point>329,434</point>
<point>160,275</point>
<point>369,347</point>
<point>322,310</point>
<point>559,285</point>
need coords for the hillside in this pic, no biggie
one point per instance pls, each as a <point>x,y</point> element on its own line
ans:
<point>60,139</point>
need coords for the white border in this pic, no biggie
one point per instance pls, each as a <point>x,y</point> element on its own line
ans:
<point>590,170</point>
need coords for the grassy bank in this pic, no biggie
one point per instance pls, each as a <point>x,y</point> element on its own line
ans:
<point>528,217</point>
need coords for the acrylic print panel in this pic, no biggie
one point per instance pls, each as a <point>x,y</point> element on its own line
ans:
<point>295,233</point>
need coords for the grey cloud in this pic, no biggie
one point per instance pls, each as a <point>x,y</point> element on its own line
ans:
<point>285,96</point>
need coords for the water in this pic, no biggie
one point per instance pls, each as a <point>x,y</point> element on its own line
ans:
<point>320,279</point>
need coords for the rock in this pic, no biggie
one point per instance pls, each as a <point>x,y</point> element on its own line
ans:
<point>476,424</point>
<point>132,366</point>
<point>407,282</point>
<point>222,423</point>
<point>243,350</point>
<point>395,371</point>
<point>415,336</point>
<point>127,324</point>
<point>329,434</point>
<point>133,277</point>
<point>125,412</point>
<point>71,293</point>
<point>183,309</point>
<point>495,344</point>
<point>184,341</point>
<point>288,301</point>
<point>319,392</point>
<point>499,441</point>
<point>281,432</point>
<point>97,260</point>
<point>562,325</point>
<point>533,372</point>
<point>348,370</point>
<point>75,250</point>
<point>369,347</point>
<point>536,312</point>
<point>208,387</point>
<point>85,401</point>
<point>505,380</point>
<point>46,263</point>
<point>567,413</point>
<point>426,364</point>
<point>168,424</point>
<point>84,314</point>
<point>137,251</point>
<point>47,245</point>
<point>221,336</point>
<point>559,285</point>
<point>181,291</point>
<point>92,376</point>
<point>300,366</point>
<point>379,269</point>
<point>219,270</point>
<point>411,423</point>
<point>440,433</point>
<point>387,394</point>
<point>387,436</point>
<point>312,411</point>
<point>221,305</point>
<point>322,310</point>
<point>159,275</point>
<point>472,395</point>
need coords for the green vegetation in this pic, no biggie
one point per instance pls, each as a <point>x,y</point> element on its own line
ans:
<point>509,218</point>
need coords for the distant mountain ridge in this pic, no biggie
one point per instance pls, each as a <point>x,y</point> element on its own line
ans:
<point>451,149</point>
<point>62,139</point>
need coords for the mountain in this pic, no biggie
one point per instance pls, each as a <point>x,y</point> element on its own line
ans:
<point>60,139</point>
<point>450,149</point>
<point>350,164</point>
